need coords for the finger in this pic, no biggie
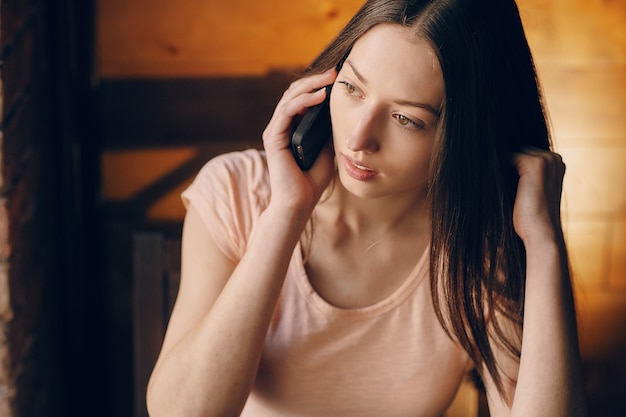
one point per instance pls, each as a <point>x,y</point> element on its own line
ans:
<point>538,159</point>
<point>302,86</point>
<point>309,84</point>
<point>281,121</point>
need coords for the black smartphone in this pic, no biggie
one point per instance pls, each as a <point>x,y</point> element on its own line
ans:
<point>312,133</point>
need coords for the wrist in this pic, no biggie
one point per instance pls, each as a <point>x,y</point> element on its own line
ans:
<point>541,234</point>
<point>544,244</point>
<point>546,257</point>
<point>276,234</point>
<point>284,220</point>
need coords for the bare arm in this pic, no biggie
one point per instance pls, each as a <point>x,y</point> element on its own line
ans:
<point>211,352</point>
<point>215,337</point>
<point>549,381</point>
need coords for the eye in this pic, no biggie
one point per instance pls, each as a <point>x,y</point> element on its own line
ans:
<point>408,123</point>
<point>350,89</point>
<point>403,120</point>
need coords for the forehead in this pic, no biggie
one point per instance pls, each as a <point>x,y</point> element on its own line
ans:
<point>391,56</point>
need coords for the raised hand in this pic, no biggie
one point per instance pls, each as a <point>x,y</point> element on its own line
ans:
<point>291,188</point>
<point>536,214</point>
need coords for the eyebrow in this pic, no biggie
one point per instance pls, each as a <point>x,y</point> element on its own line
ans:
<point>416,104</point>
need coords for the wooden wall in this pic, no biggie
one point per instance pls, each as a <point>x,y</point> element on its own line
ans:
<point>163,38</point>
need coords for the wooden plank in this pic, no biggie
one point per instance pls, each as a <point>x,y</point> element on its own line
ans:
<point>173,247</point>
<point>179,112</point>
<point>148,311</point>
<point>165,38</point>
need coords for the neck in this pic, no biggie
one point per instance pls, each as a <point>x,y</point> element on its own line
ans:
<point>408,213</point>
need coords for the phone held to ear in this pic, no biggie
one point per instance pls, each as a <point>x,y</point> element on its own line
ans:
<point>314,130</point>
<point>312,133</point>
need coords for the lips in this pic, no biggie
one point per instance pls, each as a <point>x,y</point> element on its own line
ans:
<point>357,170</point>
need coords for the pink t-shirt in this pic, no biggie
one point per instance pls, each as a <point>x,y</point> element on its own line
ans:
<point>388,359</point>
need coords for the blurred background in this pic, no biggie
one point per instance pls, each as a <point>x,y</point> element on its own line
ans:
<point>110,107</point>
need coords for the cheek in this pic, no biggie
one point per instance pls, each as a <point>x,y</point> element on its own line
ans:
<point>341,129</point>
<point>338,116</point>
<point>413,160</point>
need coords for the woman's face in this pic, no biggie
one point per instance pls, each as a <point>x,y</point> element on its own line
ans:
<point>384,108</point>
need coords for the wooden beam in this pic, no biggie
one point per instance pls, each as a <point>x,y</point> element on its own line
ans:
<point>178,112</point>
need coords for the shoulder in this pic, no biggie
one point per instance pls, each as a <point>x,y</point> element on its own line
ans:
<point>229,193</point>
<point>247,166</point>
<point>237,177</point>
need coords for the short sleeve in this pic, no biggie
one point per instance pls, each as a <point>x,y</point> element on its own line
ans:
<point>230,192</point>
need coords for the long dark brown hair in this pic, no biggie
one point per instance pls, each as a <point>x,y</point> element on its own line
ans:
<point>493,108</point>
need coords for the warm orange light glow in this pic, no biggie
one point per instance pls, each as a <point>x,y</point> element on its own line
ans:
<point>127,172</point>
<point>156,38</point>
<point>580,51</point>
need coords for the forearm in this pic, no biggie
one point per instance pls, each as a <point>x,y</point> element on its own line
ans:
<point>549,381</point>
<point>211,370</point>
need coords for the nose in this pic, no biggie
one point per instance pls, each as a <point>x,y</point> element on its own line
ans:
<point>364,136</point>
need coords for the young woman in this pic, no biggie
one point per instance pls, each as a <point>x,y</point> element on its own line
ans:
<point>425,241</point>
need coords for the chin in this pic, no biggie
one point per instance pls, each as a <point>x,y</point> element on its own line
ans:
<point>361,189</point>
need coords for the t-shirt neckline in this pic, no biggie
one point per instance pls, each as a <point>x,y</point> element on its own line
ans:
<point>399,295</point>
